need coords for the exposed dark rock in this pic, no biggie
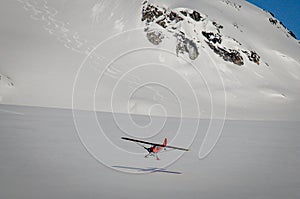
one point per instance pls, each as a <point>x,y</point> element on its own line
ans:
<point>273,21</point>
<point>282,25</point>
<point>270,13</point>
<point>288,31</point>
<point>212,37</point>
<point>173,16</point>
<point>167,18</point>
<point>163,17</point>
<point>162,22</point>
<point>183,12</point>
<point>217,25</point>
<point>228,55</point>
<point>252,56</point>
<point>195,15</point>
<point>151,12</point>
<point>292,34</point>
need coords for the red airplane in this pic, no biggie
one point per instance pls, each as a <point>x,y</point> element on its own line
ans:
<point>155,148</point>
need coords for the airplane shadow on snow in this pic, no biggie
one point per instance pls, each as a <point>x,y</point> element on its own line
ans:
<point>150,170</point>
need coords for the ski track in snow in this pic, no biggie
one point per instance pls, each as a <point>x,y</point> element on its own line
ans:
<point>40,11</point>
<point>11,112</point>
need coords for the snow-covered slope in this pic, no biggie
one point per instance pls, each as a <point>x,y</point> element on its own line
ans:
<point>220,58</point>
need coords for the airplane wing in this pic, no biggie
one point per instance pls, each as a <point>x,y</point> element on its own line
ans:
<point>140,141</point>
<point>154,144</point>
<point>178,148</point>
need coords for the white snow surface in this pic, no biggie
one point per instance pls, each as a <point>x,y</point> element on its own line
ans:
<point>43,155</point>
<point>95,55</point>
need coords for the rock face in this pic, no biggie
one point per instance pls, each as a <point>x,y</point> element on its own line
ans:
<point>158,15</point>
<point>252,56</point>
<point>168,20</point>
<point>195,15</point>
<point>160,21</point>
<point>228,55</point>
<point>212,37</point>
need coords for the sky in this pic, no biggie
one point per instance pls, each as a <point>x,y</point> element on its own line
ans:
<point>287,11</point>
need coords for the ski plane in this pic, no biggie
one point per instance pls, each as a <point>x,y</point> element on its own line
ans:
<point>155,148</point>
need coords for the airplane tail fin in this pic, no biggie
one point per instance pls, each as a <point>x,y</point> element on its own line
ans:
<point>165,142</point>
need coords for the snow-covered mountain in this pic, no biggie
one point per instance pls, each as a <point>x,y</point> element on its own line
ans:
<point>208,58</point>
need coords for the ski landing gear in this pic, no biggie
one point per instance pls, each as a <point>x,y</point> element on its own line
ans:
<point>151,153</point>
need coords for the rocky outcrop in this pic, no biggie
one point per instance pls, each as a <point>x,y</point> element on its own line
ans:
<point>218,26</point>
<point>252,56</point>
<point>212,37</point>
<point>195,15</point>
<point>167,19</point>
<point>228,55</point>
<point>158,15</point>
<point>273,21</point>
<point>169,22</point>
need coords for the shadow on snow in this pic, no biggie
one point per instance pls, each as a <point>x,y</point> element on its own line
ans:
<point>150,170</point>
